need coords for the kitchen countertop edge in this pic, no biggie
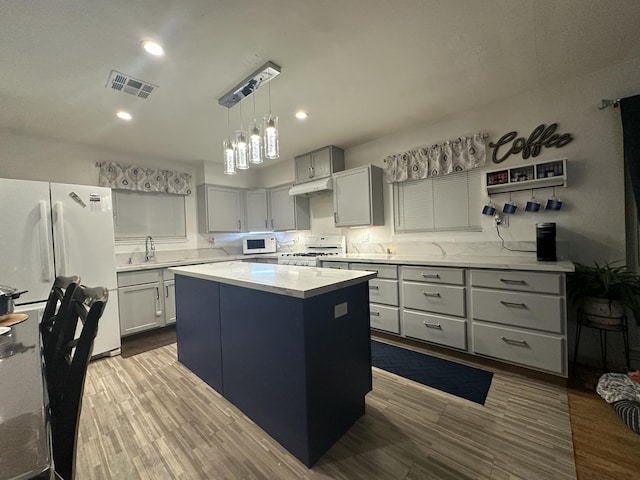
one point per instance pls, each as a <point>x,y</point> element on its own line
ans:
<point>501,263</point>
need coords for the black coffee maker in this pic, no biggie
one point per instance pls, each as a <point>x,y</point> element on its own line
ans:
<point>546,242</point>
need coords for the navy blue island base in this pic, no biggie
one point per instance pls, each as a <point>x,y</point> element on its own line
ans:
<point>299,368</point>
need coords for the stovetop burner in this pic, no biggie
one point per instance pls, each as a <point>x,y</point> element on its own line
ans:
<point>316,246</point>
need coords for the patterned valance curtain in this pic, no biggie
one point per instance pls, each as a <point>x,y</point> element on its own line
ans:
<point>130,177</point>
<point>452,156</point>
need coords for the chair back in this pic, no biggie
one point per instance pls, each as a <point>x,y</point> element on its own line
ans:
<point>55,301</point>
<point>67,370</point>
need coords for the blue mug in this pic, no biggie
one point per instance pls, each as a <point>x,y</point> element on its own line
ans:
<point>488,209</point>
<point>510,207</point>
<point>553,204</point>
<point>532,205</point>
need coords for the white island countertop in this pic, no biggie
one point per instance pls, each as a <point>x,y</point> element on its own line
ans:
<point>290,280</point>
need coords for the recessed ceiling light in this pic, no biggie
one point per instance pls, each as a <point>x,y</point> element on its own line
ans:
<point>153,48</point>
<point>301,115</point>
<point>123,115</point>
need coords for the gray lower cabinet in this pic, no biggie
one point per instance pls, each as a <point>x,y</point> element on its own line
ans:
<point>146,300</point>
<point>383,296</point>
<point>434,305</point>
<point>520,317</point>
<point>140,301</point>
<point>517,317</point>
<point>169,297</point>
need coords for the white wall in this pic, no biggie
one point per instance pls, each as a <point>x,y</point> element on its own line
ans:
<point>592,216</point>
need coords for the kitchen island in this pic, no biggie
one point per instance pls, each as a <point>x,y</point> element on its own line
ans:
<point>289,346</point>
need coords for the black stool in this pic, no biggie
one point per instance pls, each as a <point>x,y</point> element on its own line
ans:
<point>619,324</point>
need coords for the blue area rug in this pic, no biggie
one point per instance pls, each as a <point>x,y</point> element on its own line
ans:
<point>451,377</point>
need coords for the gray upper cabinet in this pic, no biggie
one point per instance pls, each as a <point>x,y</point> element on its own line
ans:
<point>257,210</point>
<point>357,197</point>
<point>318,164</point>
<point>288,212</point>
<point>220,209</point>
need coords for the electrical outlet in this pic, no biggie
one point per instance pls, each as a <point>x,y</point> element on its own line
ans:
<point>364,237</point>
<point>501,220</point>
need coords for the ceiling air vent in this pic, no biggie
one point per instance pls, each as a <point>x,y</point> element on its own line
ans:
<point>128,84</point>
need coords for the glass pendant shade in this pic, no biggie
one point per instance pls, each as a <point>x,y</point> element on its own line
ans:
<point>229,160</point>
<point>271,142</point>
<point>255,143</point>
<point>241,150</point>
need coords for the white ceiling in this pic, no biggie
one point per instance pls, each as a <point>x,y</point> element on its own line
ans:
<point>361,68</point>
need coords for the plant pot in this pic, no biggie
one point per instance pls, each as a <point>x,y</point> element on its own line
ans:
<point>603,311</point>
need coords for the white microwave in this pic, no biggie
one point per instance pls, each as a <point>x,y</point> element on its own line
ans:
<point>259,244</point>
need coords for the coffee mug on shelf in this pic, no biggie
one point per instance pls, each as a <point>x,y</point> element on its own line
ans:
<point>553,203</point>
<point>532,205</point>
<point>489,209</point>
<point>510,207</point>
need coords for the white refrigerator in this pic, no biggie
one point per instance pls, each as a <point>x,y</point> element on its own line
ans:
<point>51,229</point>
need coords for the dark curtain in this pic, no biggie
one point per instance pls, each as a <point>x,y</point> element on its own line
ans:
<point>630,110</point>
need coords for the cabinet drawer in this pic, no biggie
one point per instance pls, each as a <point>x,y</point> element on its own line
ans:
<point>384,318</point>
<point>528,310</point>
<point>446,331</point>
<point>382,290</point>
<point>515,280</point>
<point>453,276</point>
<point>384,271</point>
<point>138,277</point>
<point>434,298</point>
<point>546,352</point>
<point>339,265</point>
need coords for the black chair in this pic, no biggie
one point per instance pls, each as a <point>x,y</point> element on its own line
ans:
<point>66,372</point>
<point>55,301</point>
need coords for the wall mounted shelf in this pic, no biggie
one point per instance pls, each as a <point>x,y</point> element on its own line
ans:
<point>551,173</point>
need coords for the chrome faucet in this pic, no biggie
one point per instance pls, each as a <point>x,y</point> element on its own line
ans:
<point>149,249</point>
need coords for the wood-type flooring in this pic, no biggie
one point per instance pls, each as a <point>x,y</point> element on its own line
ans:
<point>149,417</point>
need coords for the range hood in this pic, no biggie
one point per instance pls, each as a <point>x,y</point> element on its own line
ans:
<point>315,186</point>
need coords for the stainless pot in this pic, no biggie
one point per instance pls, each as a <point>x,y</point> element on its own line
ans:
<point>7,296</point>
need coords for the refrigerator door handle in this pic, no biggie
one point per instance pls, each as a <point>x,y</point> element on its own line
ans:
<point>62,243</point>
<point>46,258</point>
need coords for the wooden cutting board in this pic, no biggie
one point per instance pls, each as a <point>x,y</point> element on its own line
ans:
<point>12,319</point>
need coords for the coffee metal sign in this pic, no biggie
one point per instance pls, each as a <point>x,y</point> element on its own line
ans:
<point>542,136</point>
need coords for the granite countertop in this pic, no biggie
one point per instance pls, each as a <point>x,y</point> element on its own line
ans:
<point>498,262</point>
<point>131,267</point>
<point>293,281</point>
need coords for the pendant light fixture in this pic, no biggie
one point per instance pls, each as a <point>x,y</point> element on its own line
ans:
<point>255,139</point>
<point>243,149</point>
<point>271,141</point>
<point>228,153</point>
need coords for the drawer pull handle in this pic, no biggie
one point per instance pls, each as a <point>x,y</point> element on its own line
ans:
<point>432,325</point>
<point>375,287</point>
<point>513,282</point>
<point>377,314</point>
<point>512,341</point>
<point>431,275</point>
<point>431,294</point>
<point>513,304</point>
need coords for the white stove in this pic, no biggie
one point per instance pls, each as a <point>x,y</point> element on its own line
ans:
<point>316,247</point>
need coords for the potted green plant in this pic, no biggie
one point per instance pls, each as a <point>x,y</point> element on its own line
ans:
<point>604,292</point>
